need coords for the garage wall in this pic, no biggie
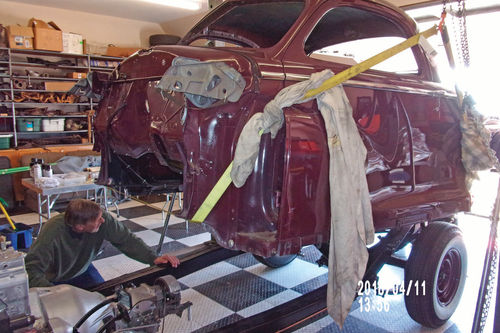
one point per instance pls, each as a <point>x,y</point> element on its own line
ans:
<point>181,26</point>
<point>401,3</point>
<point>95,28</point>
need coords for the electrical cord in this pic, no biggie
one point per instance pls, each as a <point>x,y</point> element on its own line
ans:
<point>91,312</point>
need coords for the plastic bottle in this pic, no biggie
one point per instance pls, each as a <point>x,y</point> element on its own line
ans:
<point>37,171</point>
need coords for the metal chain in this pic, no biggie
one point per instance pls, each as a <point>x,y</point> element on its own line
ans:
<point>463,32</point>
<point>456,28</point>
<point>490,286</point>
<point>456,38</point>
<point>459,30</point>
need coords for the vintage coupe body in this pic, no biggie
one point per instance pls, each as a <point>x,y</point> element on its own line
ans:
<point>157,141</point>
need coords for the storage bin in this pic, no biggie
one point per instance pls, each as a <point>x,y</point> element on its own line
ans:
<point>5,124</point>
<point>53,125</point>
<point>28,124</point>
<point>5,141</point>
<point>22,238</point>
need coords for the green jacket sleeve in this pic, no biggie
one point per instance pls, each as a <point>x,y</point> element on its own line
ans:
<point>37,262</point>
<point>123,239</point>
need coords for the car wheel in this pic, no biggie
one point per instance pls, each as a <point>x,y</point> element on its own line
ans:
<point>276,261</point>
<point>435,274</point>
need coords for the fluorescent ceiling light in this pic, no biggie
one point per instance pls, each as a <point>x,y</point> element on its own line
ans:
<point>183,4</point>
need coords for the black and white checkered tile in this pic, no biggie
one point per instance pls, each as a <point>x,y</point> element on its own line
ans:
<point>241,287</point>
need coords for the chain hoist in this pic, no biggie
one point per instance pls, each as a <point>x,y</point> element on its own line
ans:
<point>486,288</point>
<point>459,22</point>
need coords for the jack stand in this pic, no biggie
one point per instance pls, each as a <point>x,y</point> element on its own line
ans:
<point>165,222</point>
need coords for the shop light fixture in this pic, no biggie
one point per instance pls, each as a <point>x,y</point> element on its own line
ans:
<point>183,4</point>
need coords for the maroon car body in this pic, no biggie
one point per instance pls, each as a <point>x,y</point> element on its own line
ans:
<point>154,140</point>
<point>410,126</point>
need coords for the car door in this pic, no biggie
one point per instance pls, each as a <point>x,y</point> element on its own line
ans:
<point>403,118</point>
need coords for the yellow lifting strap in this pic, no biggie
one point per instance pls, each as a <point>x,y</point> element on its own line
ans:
<point>369,63</point>
<point>225,180</point>
<point>12,225</point>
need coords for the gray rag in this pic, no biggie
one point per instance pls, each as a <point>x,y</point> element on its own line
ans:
<point>67,164</point>
<point>351,215</point>
<point>476,152</point>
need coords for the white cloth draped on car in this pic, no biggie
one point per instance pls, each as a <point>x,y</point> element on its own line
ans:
<point>351,215</point>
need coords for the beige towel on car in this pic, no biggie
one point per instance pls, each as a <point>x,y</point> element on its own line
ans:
<point>351,215</point>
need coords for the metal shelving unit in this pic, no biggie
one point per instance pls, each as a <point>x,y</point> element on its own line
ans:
<point>40,78</point>
<point>35,116</point>
<point>35,104</point>
<point>50,67</point>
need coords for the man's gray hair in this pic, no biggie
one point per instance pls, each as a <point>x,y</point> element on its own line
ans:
<point>81,211</point>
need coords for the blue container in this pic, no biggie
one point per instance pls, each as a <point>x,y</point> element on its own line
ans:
<point>22,238</point>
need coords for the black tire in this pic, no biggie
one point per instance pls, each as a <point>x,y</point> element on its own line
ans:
<point>163,39</point>
<point>439,258</point>
<point>276,261</point>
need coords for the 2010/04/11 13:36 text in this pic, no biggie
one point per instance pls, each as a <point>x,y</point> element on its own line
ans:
<point>366,289</point>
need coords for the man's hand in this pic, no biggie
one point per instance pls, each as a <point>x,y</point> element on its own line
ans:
<point>165,259</point>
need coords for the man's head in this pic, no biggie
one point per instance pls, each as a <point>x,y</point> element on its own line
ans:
<point>83,216</point>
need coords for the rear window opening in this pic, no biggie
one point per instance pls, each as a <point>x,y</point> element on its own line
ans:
<point>257,25</point>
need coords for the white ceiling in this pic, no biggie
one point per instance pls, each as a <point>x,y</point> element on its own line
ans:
<point>140,10</point>
<point>144,10</point>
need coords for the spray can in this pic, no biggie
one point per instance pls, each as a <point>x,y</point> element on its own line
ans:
<point>46,170</point>
<point>32,163</point>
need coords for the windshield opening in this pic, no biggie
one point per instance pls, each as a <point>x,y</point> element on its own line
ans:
<point>257,25</point>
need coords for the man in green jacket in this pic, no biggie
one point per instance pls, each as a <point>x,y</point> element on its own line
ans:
<point>69,242</point>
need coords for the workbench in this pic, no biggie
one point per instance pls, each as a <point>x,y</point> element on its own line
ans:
<point>49,192</point>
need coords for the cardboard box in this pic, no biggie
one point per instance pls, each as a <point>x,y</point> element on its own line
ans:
<point>76,75</point>
<point>20,37</point>
<point>72,43</point>
<point>94,48</point>
<point>115,51</point>
<point>48,36</point>
<point>59,85</point>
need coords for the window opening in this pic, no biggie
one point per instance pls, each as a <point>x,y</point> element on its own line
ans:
<point>257,25</point>
<point>350,35</point>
